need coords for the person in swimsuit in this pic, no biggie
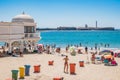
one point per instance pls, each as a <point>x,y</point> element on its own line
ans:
<point>66,64</point>
<point>93,58</point>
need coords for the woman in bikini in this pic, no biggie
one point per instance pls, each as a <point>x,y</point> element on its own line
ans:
<point>66,64</point>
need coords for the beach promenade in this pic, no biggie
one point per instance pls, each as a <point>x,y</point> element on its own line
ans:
<point>89,72</point>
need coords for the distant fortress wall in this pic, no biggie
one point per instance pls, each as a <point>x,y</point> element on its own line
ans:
<point>79,28</point>
<point>85,28</point>
<point>96,28</point>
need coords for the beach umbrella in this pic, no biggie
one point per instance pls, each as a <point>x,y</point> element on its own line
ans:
<point>105,52</point>
<point>117,51</point>
<point>80,48</point>
<point>108,56</point>
<point>92,51</point>
<point>40,45</point>
<point>72,48</point>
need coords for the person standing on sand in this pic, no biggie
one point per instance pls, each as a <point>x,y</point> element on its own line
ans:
<point>66,64</point>
<point>86,50</point>
<point>66,49</point>
<point>93,58</point>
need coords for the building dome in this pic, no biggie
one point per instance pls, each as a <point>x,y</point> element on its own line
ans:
<point>23,18</point>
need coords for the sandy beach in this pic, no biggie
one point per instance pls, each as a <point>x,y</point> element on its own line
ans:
<point>89,72</point>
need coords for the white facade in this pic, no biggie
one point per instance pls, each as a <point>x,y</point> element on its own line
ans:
<point>20,32</point>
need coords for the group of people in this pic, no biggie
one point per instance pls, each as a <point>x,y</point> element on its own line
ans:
<point>48,49</point>
<point>110,60</point>
<point>14,54</point>
<point>3,52</point>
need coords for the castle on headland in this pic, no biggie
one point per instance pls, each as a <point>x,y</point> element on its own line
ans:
<point>78,28</point>
<point>85,28</point>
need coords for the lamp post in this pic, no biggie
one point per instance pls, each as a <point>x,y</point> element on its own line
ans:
<point>9,41</point>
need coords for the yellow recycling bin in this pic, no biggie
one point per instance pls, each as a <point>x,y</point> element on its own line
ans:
<point>21,72</point>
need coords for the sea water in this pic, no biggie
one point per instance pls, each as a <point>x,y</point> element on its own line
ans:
<point>86,38</point>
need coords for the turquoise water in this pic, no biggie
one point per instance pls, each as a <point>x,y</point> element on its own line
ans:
<point>86,38</point>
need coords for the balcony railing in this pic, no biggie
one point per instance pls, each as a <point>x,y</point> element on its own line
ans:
<point>17,36</point>
<point>32,35</point>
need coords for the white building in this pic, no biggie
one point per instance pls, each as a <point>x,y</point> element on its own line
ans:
<point>20,32</point>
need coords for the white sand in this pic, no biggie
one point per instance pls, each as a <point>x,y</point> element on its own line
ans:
<point>89,72</point>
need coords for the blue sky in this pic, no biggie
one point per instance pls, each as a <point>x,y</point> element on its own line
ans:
<point>55,13</point>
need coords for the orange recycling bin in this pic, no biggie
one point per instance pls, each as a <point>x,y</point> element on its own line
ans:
<point>81,63</point>
<point>72,68</point>
<point>50,62</point>
<point>37,68</point>
<point>58,78</point>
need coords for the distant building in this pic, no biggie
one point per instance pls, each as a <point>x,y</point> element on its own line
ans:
<point>86,26</point>
<point>20,32</point>
<point>96,24</point>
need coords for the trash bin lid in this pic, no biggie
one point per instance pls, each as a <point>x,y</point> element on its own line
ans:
<point>21,67</point>
<point>81,61</point>
<point>37,65</point>
<point>72,64</point>
<point>15,71</point>
<point>27,65</point>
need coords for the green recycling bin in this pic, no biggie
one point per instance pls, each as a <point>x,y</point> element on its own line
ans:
<point>14,74</point>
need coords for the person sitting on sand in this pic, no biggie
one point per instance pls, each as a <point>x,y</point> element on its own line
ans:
<point>1,54</point>
<point>66,64</point>
<point>14,54</point>
<point>79,51</point>
<point>112,54</point>
<point>102,58</point>
<point>58,50</point>
<point>21,54</point>
<point>113,62</point>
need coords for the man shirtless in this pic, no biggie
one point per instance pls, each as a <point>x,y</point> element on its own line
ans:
<point>66,64</point>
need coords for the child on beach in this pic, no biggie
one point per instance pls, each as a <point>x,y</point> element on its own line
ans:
<point>66,64</point>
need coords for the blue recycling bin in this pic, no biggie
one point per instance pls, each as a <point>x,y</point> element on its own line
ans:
<point>27,70</point>
<point>14,74</point>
